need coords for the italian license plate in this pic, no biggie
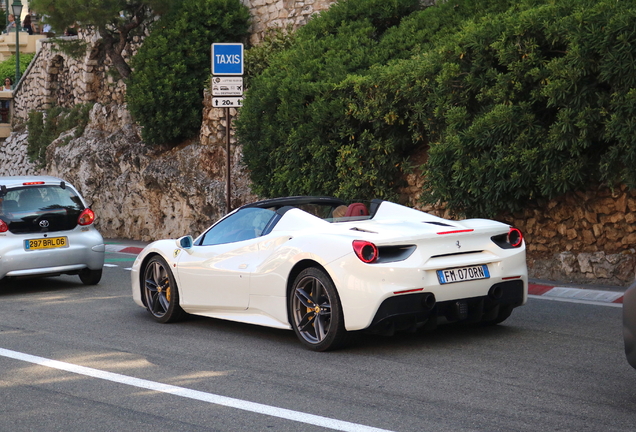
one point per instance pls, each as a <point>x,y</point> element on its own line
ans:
<point>463,274</point>
<point>46,243</point>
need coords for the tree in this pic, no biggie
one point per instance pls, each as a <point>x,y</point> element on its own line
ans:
<point>114,20</point>
<point>172,67</point>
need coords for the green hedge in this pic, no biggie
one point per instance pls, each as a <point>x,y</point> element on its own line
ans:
<point>172,67</point>
<point>513,101</point>
<point>297,126</point>
<point>292,122</point>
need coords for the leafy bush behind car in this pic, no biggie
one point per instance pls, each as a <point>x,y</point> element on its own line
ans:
<point>514,101</point>
<point>172,67</point>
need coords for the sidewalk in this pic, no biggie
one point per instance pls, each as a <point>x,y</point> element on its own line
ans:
<point>576,293</point>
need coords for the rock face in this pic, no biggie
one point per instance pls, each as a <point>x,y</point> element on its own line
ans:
<point>137,191</point>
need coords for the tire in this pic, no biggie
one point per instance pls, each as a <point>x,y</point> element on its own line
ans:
<point>160,292</point>
<point>90,277</point>
<point>315,311</point>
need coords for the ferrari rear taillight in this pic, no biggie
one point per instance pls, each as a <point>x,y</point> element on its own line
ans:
<point>366,251</point>
<point>87,217</point>
<point>515,238</point>
<point>510,240</point>
<point>3,226</point>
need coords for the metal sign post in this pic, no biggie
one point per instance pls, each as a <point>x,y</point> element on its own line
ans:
<point>228,181</point>
<point>227,92</point>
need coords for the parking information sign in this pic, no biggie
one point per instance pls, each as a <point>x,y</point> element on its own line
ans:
<point>227,86</point>
<point>227,59</point>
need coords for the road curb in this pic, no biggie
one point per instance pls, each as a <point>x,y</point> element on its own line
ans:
<point>134,250</point>
<point>570,293</point>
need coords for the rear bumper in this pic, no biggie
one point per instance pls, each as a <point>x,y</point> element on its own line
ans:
<point>85,250</point>
<point>365,289</point>
<point>411,310</point>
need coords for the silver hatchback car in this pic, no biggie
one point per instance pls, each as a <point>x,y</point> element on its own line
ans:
<point>46,229</point>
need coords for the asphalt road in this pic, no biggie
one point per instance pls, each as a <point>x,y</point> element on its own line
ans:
<point>77,358</point>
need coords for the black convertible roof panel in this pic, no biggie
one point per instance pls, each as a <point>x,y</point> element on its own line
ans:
<point>296,201</point>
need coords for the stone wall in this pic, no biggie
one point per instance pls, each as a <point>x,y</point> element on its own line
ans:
<point>54,78</point>
<point>582,236</point>
<point>268,14</point>
<point>13,156</point>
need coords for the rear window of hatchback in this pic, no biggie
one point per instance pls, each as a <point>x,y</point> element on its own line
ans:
<point>23,207</point>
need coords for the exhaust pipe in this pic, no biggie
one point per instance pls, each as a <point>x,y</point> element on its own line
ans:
<point>428,301</point>
<point>495,292</point>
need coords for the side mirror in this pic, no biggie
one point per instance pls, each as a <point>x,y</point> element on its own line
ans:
<point>185,242</point>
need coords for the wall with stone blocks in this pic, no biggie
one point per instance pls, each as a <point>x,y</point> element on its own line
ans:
<point>268,14</point>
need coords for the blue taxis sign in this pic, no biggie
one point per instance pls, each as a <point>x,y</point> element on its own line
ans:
<point>227,59</point>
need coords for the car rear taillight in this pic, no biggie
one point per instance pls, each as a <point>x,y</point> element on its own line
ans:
<point>510,240</point>
<point>33,183</point>
<point>366,251</point>
<point>87,217</point>
<point>515,238</point>
<point>3,226</point>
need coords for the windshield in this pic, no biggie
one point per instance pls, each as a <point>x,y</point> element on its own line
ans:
<point>245,224</point>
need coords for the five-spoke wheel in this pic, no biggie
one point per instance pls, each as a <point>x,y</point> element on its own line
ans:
<point>160,291</point>
<point>316,313</point>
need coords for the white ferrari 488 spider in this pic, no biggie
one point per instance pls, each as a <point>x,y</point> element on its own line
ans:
<point>325,268</point>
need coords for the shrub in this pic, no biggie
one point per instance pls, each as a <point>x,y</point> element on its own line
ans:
<point>45,127</point>
<point>529,103</point>
<point>258,57</point>
<point>291,125</point>
<point>513,101</point>
<point>172,67</point>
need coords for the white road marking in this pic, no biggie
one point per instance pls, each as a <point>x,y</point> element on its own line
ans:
<point>193,394</point>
